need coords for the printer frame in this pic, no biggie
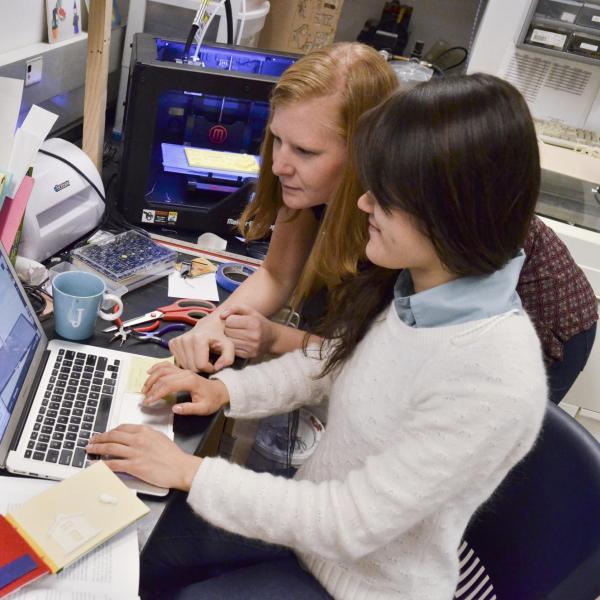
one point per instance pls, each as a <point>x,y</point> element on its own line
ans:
<point>149,78</point>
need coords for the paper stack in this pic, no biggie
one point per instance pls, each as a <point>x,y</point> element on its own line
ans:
<point>18,148</point>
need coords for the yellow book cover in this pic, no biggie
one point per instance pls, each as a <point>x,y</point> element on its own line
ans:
<point>74,516</point>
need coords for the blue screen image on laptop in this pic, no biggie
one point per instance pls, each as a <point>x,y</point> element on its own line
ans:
<point>19,339</point>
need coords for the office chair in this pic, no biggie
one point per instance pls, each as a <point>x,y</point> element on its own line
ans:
<point>538,536</point>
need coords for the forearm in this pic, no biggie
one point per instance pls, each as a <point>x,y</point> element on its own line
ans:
<point>275,386</point>
<point>287,339</point>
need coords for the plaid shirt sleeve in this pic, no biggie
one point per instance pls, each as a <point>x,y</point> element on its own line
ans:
<point>554,291</point>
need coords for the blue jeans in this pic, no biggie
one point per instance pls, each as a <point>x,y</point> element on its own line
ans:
<point>562,374</point>
<point>188,558</point>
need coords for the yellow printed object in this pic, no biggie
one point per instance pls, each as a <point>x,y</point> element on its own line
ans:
<point>225,161</point>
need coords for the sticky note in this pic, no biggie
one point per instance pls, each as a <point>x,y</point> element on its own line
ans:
<point>138,371</point>
<point>16,569</point>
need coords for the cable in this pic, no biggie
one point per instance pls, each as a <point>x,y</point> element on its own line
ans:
<point>36,296</point>
<point>229,17</point>
<point>79,171</point>
<point>460,62</point>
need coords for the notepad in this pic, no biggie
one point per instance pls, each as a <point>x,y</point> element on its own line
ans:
<point>138,371</point>
<point>63,523</point>
<point>223,161</point>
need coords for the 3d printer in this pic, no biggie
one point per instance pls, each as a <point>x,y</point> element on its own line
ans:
<point>193,131</point>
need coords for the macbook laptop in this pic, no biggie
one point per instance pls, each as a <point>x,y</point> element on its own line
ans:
<point>55,395</point>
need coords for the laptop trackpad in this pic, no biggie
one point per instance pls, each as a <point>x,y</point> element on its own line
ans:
<point>159,418</point>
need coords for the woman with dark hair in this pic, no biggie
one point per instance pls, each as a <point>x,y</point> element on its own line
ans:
<point>433,372</point>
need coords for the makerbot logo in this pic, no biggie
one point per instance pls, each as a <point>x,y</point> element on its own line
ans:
<point>217,134</point>
<point>61,186</point>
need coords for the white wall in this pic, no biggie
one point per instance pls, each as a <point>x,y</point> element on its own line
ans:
<point>22,26</point>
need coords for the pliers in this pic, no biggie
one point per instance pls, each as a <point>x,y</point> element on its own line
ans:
<point>156,336</point>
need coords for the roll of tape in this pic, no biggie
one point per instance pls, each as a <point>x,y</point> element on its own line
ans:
<point>231,275</point>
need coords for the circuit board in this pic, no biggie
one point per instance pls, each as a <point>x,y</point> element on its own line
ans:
<point>126,255</point>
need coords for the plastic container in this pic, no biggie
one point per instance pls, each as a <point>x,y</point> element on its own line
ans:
<point>272,438</point>
<point>130,259</point>
<point>411,72</point>
<point>252,22</point>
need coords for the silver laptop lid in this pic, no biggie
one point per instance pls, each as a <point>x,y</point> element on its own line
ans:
<point>22,345</point>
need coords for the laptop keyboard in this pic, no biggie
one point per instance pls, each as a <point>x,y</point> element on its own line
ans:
<point>76,404</point>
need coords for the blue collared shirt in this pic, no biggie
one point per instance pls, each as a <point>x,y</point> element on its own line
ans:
<point>461,300</point>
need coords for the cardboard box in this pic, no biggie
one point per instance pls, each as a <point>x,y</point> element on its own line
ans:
<point>300,25</point>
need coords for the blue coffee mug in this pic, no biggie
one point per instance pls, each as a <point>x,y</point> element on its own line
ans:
<point>78,297</point>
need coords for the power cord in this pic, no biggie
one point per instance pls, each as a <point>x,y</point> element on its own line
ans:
<point>448,50</point>
<point>37,297</point>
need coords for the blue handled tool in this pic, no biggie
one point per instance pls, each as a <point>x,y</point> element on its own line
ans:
<point>156,336</point>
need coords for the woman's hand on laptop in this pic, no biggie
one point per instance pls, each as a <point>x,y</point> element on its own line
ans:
<point>207,395</point>
<point>146,454</point>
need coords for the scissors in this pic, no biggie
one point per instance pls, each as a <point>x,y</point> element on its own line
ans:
<point>183,311</point>
<point>156,336</point>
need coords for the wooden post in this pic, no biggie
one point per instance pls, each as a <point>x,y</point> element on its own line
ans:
<point>96,77</point>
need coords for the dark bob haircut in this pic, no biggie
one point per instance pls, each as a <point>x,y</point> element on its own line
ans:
<point>460,154</point>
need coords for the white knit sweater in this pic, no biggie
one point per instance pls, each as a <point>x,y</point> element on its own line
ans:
<point>423,425</point>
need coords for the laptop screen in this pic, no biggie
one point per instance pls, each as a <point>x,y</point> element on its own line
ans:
<point>19,339</point>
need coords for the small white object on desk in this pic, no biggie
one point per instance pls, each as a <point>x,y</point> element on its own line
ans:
<point>203,287</point>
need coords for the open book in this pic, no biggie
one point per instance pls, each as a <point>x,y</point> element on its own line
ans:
<point>46,531</point>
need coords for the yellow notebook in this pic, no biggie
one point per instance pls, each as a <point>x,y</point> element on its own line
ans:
<point>224,161</point>
<point>74,516</point>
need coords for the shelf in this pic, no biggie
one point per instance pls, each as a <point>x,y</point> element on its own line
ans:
<point>25,52</point>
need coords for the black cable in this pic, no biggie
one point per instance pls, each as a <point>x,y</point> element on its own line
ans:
<point>79,171</point>
<point>189,40</point>
<point>36,296</point>
<point>437,58</point>
<point>229,16</point>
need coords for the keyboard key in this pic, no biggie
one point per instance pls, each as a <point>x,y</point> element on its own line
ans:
<point>31,445</point>
<point>90,361</point>
<point>62,420</point>
<point>101,363</point>
<point>55,445</point>
<point>69,355</point>
<point>46,429</point>
<point>72,389</point>
<point>69,444</point>
<point>38,456</point>
<point>70,437</point>
<point>41,447</point>
<point>44,437</point>
<point>61,351</point>
<point>52,456</point>
<point>79,457</point>
<point>65,457</point>
<point>27,453</point>
<point>103,413</point>
<point>82,443</point>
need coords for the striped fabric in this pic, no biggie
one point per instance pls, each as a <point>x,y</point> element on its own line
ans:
<point>473,581</point>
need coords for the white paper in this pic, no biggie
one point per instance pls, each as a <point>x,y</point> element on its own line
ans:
<point>11,91</point>
<point>109,572</point>
<point>28,139</point>
<point>203,287</point>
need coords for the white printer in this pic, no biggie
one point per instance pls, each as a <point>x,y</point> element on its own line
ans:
<point>63,205</point>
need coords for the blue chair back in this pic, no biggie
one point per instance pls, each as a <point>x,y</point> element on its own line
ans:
<point>538,536</point>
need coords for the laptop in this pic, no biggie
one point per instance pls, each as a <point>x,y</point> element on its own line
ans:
<point>55,395</point>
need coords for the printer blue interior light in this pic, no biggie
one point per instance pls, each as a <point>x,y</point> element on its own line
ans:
<point>219,103</point>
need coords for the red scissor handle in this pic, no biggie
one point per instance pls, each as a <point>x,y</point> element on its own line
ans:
<point>187,310</point>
